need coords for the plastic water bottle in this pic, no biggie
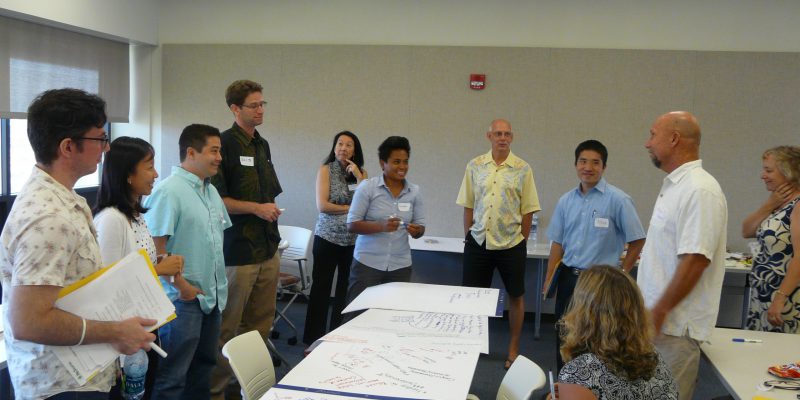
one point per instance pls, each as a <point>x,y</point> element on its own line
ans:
<point>533,238</point>
<point>134,370</point>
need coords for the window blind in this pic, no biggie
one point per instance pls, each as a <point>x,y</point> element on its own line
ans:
<point>35,58</point>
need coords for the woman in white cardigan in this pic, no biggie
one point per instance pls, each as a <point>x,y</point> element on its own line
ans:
<point>128,174</point>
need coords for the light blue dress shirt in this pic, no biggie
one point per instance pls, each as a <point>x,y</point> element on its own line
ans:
<point>192,214</point>
<point>594,228</point>
<point>372,201</point>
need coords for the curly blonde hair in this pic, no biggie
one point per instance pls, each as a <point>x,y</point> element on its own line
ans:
<point>787,159</point>
<point>607,317</point>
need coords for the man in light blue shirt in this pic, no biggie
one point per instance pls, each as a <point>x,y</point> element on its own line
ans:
<point>385,210</point>
<point>590,226</point>
<point>187,216</point>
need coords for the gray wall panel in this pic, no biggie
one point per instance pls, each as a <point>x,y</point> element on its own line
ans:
<point>554,98</point>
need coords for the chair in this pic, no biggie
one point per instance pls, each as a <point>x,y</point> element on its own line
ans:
<point>279,358</point>
<point>520,381</point>
<point>251,364</point>
<point>289,284</point>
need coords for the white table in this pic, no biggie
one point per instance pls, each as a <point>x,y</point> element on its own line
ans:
<point>742,366</point>
<point>540,253</point>
<point>735,295</point>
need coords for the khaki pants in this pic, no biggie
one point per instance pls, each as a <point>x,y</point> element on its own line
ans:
<point>682,355</point>
<point>251,306</point>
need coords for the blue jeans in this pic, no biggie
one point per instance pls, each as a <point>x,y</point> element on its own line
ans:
<point>191,342</point>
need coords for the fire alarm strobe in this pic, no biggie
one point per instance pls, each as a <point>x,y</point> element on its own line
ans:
<point>477,81</point>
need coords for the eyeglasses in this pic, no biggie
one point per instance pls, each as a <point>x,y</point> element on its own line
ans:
<point>105,139</point>
<point>781,384</point>
<point>256,105</point>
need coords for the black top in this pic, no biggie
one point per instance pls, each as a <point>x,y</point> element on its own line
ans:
<point>247,174</point>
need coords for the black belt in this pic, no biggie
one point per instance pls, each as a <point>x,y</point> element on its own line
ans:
<point>573,270</point>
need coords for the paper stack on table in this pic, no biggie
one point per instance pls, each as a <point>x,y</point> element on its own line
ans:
<point>276,393</point>
<point>429,298</point>
<point>378,326</point>
<point>414,341</point>
<point>403,370</point>
<point>126,289</point>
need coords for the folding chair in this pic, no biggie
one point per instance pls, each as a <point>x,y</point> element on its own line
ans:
<point>521,380</point>
<point>251,364</point>
<point>289,284</point>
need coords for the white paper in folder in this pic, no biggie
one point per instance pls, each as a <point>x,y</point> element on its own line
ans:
<point>128,288</point>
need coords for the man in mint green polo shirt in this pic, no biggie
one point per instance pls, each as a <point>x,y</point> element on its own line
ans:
<point>187,216</point>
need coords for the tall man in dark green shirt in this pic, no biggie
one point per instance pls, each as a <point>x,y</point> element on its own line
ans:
<point>248,185</point>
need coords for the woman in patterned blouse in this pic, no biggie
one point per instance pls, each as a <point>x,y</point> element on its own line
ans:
<point>607,340</point>
<point>337,179</point>
<point>775,294</point>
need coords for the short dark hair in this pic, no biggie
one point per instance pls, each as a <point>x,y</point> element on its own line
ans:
<point>195,136</point>
<point>60,114</point>
<point>358,155</point>
<point>593,145</point>
<point>120,163</point>
<point>393,143</point>
<point>239,90</point>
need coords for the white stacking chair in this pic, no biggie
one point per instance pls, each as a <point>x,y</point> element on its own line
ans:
<point>521,380</point>
<point>251,364</point>
<point>289,284</point>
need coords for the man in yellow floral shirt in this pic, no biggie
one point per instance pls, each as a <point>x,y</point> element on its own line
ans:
<point>499,198</point>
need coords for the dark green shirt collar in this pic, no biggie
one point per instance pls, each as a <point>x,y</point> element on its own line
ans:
<point>243,137</point>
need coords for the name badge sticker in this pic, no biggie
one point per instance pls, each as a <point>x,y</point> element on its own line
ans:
<point>352,187</point>
<point>601,222</point>
<point>247,161</point>
<point>404,207</point>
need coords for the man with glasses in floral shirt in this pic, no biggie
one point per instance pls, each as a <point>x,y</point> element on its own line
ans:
<point>49,242</point>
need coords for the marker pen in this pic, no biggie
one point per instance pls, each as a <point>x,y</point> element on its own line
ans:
<point>743,340</point>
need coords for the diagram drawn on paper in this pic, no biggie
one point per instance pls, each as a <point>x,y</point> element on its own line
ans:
<point>398,370</point>
<point>279,393</point>
<point>409,296</point>
<point>377,326</point>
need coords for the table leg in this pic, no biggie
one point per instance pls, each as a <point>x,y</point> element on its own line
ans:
<point>540,268</point>
<point>746,301</point>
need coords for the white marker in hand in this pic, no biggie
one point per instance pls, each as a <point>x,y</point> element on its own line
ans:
<point>158,350</point>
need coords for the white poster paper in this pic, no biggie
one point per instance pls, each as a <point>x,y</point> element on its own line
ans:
<point>431,298</point>
<point>397,370</point>
<point>377,326</point>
